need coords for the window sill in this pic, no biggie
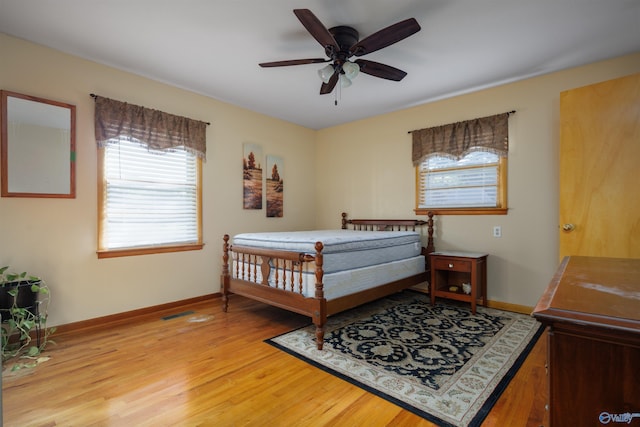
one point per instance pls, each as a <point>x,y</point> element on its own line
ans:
<point>462,211</point>
<point>114,253</point>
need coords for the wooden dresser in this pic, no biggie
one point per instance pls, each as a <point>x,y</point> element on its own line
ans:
<point>592,311</point>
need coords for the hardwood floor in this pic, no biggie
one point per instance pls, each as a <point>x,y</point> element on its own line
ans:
<point>211,368</point>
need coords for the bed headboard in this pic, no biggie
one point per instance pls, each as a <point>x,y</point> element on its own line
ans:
<point>391,225</point>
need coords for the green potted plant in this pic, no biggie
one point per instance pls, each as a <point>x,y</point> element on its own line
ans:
<point>24,300</point>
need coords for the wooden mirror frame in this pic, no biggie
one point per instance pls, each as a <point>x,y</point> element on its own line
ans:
<point>6,189</point>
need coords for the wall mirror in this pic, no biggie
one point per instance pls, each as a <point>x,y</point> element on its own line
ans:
<point>37,147</point>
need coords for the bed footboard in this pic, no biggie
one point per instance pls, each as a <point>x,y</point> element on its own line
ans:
<point>275,277</point>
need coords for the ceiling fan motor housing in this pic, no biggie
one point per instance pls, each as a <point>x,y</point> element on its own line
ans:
<point>346,37</point>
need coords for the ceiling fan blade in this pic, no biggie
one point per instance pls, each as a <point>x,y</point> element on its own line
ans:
<point>317,29</point>
<point>328,87</point>
<point>385,37</point>
<point>380,70</point>
<point>293,62</point>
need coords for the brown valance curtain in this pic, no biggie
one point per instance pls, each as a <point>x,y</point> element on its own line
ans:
<point>156,129</point>
<point>458,139</point>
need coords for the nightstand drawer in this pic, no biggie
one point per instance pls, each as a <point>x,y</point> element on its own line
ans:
<point>453,265</point>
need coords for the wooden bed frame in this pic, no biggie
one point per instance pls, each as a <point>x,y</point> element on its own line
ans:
<point>317,307</point>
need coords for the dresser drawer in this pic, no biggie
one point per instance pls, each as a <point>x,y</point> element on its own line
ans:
<point>452,264</point>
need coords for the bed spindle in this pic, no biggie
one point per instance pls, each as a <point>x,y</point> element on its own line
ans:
<point>238,272</point>
<point>265,269</point>
<point>292,283</point>
<point>284,274</point>
<point>276,274</point>
<point>300,287</point>
<point>286,283</point>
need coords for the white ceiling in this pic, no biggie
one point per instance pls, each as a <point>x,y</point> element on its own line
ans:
<point>213,47</point>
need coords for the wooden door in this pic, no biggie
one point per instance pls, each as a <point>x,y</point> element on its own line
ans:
<point>600,169</point>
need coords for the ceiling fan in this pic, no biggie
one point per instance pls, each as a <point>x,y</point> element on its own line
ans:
<point>341,43</point>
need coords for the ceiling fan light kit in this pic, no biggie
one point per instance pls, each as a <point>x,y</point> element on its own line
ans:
<point>325,73</point>
<point>341,43</point>
<point>344,81</point>
<point>351,70</point>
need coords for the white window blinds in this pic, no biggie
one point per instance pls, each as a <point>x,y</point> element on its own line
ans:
<point>469,182</point>
<point>150,198</point>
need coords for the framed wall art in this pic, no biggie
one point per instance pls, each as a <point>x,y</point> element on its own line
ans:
<point>275,186</point>
<point>252,176</point>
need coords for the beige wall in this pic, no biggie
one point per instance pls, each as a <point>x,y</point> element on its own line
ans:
<point>57,238</point>
<point>365,168</point>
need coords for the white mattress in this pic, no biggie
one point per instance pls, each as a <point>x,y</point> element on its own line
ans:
<point>343,249</point>
<point>345,282</point>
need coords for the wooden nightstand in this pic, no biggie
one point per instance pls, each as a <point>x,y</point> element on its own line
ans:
<point>449,270</point>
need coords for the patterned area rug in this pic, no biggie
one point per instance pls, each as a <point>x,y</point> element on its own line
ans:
<point>442,363</point>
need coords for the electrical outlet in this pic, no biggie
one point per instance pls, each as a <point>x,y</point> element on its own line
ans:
<point>497,231</point>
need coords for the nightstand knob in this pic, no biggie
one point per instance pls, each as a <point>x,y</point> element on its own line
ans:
<point>450,265</point>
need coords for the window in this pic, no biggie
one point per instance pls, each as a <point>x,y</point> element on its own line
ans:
<point>149,180</point>
<point>474,184</point>
<point>461,168</point>
<point>150,200</point>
